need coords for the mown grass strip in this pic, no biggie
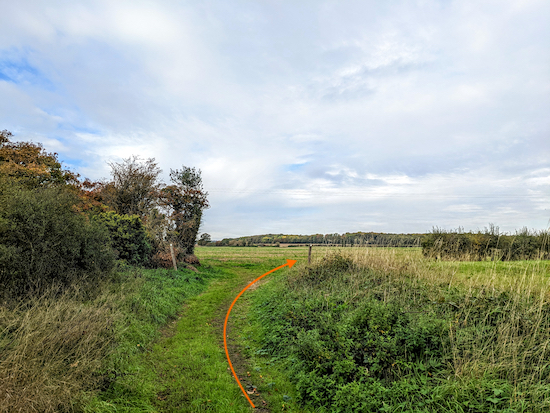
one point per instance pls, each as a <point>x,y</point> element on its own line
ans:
<point>190,365</point>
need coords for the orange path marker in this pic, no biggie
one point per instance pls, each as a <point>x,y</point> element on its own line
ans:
<point>289,263</point>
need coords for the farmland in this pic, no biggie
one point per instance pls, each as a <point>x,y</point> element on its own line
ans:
<point>360,329</point>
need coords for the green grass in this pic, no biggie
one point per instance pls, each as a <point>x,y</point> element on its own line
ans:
<point>184,367</point>
<point>446,336</point>
<point>149,300</point>
<point>382,330</point>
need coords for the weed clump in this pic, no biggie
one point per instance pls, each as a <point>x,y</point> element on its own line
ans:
<point>50,348</point>
<point>330,266</point>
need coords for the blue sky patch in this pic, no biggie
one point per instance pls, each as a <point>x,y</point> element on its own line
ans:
<point>296,166</point>
<point>18,70</point>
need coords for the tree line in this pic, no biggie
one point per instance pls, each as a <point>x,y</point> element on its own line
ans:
<point>347,239</point>
<point>56,228</point>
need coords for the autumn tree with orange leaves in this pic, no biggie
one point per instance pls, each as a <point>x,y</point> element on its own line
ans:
<point>30,165</point>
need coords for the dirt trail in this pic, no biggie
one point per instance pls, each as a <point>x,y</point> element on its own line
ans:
<point>240,363</point>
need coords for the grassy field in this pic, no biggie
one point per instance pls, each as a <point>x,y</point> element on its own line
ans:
<point>509,275</point>
<point>360,329</point>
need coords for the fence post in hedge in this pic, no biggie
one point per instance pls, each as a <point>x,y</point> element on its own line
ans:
<point>309,255</point>
<point>173,257</point>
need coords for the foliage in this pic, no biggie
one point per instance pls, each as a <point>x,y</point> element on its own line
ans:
<point>170,213</point>
<point>204,239</point>
<point>69,353</point>
<point>355,339</point>
<point>348,239</point>
<point>92,197</point>
<point>134,188</point>
<point>489,244</point>
<point>44,241</point>
<point>128,237</point>
<point>186,200</point>
<point>31,165</point>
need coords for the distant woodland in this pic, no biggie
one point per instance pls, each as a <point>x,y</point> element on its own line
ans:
<point>347,240</point>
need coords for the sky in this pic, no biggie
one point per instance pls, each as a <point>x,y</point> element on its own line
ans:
<point>304,116</point>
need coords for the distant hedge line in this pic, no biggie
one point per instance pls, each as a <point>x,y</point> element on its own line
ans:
<point>489,244</point>
<point>348,239</point>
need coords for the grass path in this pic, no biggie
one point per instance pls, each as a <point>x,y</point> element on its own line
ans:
<point>189,362</point>
<point>186,369</point>
<point>189,366</point>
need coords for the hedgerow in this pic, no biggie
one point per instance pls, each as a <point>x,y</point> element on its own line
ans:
<point>488,244</point>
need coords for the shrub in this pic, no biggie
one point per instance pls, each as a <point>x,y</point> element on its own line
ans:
<point>128,237</point>
<point>489,244</point>
<point>43,241</point>
<point>359,338</point>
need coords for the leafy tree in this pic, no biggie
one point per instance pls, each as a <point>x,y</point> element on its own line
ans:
<point>31,165</point>
<point>186,200</point>
<point>204,239</point>
<point>92,199</point>
<point>134,188</point>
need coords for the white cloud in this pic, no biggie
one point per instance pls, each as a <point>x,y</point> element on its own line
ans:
<point>308,116</point>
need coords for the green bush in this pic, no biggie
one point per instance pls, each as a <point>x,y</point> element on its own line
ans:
<point>44,241</point>
<point>489,244</point>
<point>128,236</point>
<point>354,339</point>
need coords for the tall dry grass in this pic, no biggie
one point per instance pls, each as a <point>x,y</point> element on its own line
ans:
<point>501,327</point>
<point>51,348</point>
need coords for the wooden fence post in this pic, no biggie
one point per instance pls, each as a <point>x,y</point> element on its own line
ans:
<point>309,255</point>
<point>173,257</point>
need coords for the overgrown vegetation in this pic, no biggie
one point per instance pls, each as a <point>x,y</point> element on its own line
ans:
<point>70,319</point>
<point>44,242</point>
<point>129,237</point>
<point>487,244</point>
<point>355,332</point>
<point>371,333</point>
<point>55,229</point>
<point>51,350</point>
<point>59,351</point>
